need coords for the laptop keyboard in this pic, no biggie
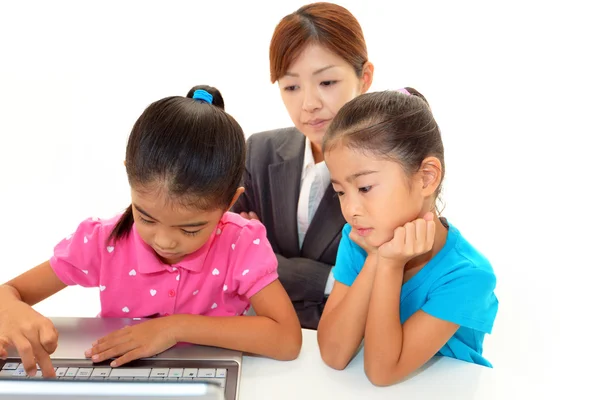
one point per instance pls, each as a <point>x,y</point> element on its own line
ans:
<point>140,370</point>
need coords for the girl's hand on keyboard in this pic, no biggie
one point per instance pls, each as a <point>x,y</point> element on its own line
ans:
<point>32,334</point>
<point>133,342</point>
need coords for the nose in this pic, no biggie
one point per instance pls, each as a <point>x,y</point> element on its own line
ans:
<point>163,240</point>
<point>351,208</point>
<point>312,100</point>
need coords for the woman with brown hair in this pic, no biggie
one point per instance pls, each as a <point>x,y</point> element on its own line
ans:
<point>318,57</point>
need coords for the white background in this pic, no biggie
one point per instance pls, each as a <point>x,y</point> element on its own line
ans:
<point>513,84</point>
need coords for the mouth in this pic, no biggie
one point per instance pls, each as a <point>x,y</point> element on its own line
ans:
<point>165,254</point>
<point>317,123</point>
<point>362,231</point>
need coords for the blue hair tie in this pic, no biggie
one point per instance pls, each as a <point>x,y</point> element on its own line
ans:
<point>203,95</point>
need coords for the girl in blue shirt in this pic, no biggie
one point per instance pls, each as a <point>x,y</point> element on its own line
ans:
<point>406,280</point>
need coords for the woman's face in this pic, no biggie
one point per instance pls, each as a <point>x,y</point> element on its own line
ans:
<point>317,84</point>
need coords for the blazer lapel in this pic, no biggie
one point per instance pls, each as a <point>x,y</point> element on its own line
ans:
<point>284,183</point>
<point>329,222</point>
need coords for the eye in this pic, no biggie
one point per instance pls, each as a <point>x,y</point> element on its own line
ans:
<point>290,88</point>
<point>365,189</point>
<point>329,83</point>
<point>339,194</point>
<point>145,221</point>
<point>190,233</point>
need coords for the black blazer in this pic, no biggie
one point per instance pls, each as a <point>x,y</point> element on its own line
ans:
<point>274,162</point>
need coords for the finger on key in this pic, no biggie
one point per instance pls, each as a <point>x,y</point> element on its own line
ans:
<point>25,350</point>
<point>43,360</point>
<point>49,337</point>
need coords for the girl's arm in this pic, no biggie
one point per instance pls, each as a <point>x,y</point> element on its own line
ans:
<point>342,325</point>
<point>33,286</point>
<point>33,335</point>
<point>394,350</point>
<point>274,332</point>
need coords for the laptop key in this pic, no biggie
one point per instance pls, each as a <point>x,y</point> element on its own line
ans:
<point>20,372</point>
<point>10,366</point>
<point>72,372</point>
<point>130,372</point>
<point>221,372</point>
<point>159,373</point>
<point>84,373</point>
<point>175,373</point>
<point>206,372</point>
<point>101,372</point>
<point>190,372</point>
<point>61,371</point>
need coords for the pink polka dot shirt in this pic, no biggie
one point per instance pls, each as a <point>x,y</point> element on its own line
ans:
<point>217,280</point>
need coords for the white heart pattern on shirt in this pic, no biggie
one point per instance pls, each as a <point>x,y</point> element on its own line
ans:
<point>214,306</point>
<point>219,231</point>
<point>177,278</point>
<point>85,239</point>
<point>95,219</point>
<point>233,246</point>
<point>110,249</point>
<point>102,288</point>
<point>152,292</point>
<point>125,309</point>
<point>195,292</point>
<point>224,288</point>
<point>85,271</point>
<point>215,272</point>
<point>256,241</point>
<point>132,272</point>
<point>245,272</point>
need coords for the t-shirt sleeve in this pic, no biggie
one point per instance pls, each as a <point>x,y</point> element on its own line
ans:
<point>465,297</point>
<point>77,258</point>
<point>349,260</point>
<point>254,263</point>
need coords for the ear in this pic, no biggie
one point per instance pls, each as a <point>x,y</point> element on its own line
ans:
<point>367,77</point>
<point>125,162</point>
<point>236,196</point>
<point>430,175</point>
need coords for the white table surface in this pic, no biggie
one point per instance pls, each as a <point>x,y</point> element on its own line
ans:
<point>308,377</point>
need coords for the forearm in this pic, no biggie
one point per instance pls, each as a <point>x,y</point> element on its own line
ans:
<point>342,329</point>
<point>383,332</point>
<point>251,334</point>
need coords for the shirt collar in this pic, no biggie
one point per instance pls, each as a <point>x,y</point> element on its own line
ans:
<point>148,261</point>
<point>309,160</point>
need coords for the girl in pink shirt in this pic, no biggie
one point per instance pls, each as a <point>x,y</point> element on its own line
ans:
<point>175,255</point>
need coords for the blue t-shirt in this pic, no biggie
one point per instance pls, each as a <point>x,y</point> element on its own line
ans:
<point>456,285</point>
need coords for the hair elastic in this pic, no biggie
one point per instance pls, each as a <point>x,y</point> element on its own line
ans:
<point>403,90</point>
<point>203,96</point>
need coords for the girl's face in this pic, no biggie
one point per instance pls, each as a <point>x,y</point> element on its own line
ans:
<point>317,84</point>
<point>376,195</point>
<point>172,230</point>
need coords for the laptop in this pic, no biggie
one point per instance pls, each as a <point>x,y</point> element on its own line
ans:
<point>183,371</point>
